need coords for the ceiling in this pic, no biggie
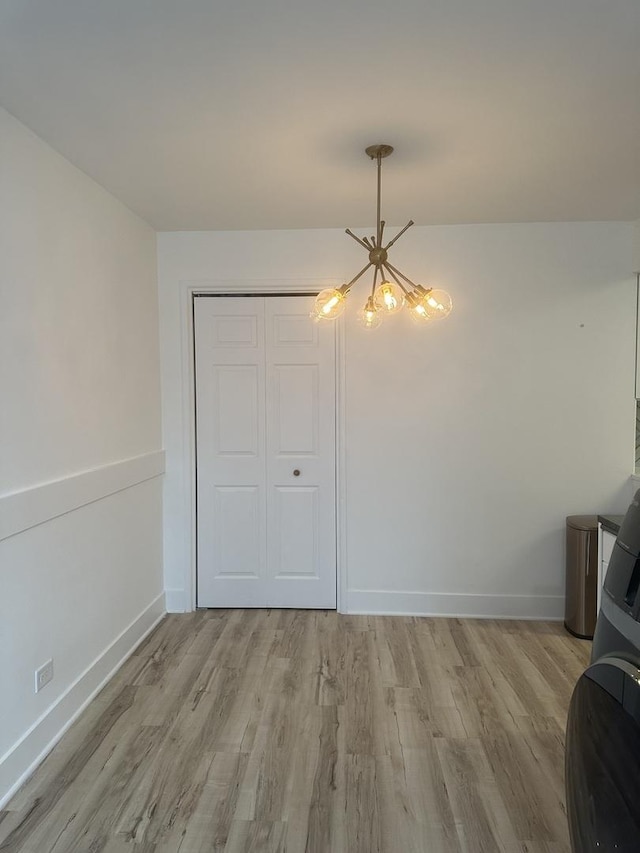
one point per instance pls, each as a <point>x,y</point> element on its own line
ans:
<point>242,114</point>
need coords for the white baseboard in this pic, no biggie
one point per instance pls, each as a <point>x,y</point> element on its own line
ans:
<point>23,758</point>
<point>175,599</point>
<point>547,607</point>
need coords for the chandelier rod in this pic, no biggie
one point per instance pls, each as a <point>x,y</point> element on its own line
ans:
<point>375,279</point>
<point>357,239</point>
<point>379,229</point>
<point>345,287</point>
<point>391,272</point>
<point>399,234</point>
<point>390,267</point>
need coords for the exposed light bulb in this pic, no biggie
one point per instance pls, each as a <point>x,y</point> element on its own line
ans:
<point>419,312</point>
<point>437,304</point>
<point>370,317</point>
<point>329,304</point>
<point>389,297</point>
<point>417,308</point>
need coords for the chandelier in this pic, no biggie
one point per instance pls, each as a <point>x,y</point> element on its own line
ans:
<point>391,294</point>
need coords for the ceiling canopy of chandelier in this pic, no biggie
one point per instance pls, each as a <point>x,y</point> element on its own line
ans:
<point>391,294</point>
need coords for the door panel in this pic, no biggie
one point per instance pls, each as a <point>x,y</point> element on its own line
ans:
<point>235,527</point>
<point>290,329</point>
<point>295,409</point>
<point>265,403</point>
<point>295,533</point>
<point>236,406</point>
<point>235,330</point>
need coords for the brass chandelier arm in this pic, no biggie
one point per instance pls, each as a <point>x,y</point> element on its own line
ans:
<point>391,271</point>
<point>345,287</point>
<point>402,275</point>
<point>399,234</point>
<point>357,239</point>
<point>375,279</point>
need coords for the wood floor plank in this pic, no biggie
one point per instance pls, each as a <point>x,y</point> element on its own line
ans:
<point>170,787</point>
<point>459,759</point>
<point>209,825</point>
<point>312,732</point>
<point>318,831</point>
<point>534,802</point>
<point>358,711</point>
<point>94,819</point>
<point>42,819</point>
<point>249,836</point>
<point>362,806</point>
<point>331,664</point>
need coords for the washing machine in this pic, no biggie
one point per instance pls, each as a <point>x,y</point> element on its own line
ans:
<point>603,729</point>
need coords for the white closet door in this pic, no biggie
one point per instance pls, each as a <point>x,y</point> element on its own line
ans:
<point>265,403</point>
<point>230,443</point>
<point>300,438</point>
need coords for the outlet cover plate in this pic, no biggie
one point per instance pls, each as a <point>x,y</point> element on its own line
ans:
<point>44,675</point>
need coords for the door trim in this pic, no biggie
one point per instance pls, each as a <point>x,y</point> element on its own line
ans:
<point>258,287</point>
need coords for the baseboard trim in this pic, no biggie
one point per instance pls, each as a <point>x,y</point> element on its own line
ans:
<point>22,510</point>
<point>176,602</point>
<point>546,607</point>
<point>38,741</point>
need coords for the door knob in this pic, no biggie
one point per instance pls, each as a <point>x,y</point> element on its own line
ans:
<point>296,472</point>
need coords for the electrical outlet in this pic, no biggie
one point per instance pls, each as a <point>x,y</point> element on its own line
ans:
<point>44,675</point>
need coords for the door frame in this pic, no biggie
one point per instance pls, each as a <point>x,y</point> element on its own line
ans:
<point>252,287</point>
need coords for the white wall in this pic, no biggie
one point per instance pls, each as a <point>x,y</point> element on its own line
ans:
<point>467,443</point>
<point>80,439</point>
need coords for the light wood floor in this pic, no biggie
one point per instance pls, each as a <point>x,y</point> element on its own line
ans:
<point>308,731</point>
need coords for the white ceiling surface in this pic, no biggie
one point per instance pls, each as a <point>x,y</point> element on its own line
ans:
<point>253,114</point>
